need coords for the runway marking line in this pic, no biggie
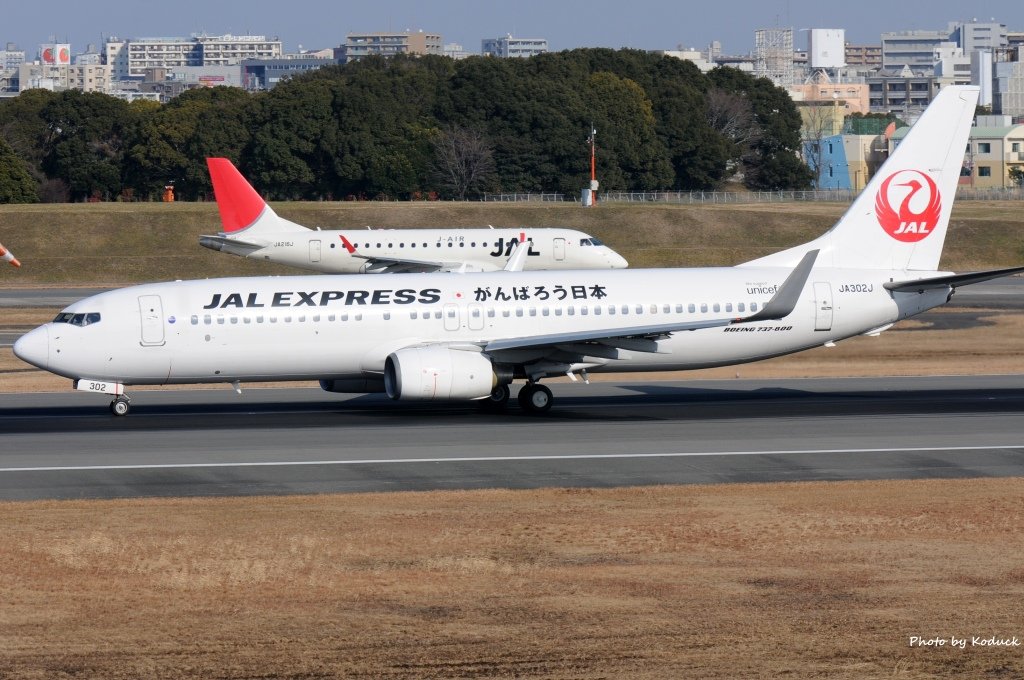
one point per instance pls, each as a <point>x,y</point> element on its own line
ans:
<point>485,459</point>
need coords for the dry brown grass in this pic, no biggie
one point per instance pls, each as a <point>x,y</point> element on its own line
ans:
<point>117,243</point>
<point>800,580</point>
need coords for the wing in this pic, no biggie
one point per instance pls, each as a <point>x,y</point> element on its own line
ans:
<point>562,350</point>
<point>376,264</point>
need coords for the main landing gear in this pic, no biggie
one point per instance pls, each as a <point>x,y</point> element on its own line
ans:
<point>535,398</point>
<point>120,406</point>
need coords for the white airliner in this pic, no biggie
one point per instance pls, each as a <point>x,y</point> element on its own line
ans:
<point>469,336</point>
<point>252,229</point>
<point>8,256</point>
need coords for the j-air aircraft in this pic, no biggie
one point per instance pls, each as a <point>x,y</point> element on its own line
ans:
<point>253,230</point>
<point>451,336</point>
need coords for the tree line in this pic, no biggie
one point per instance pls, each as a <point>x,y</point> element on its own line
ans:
<point>414,127</point>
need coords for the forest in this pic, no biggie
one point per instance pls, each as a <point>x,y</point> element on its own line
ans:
<point>416,128</point>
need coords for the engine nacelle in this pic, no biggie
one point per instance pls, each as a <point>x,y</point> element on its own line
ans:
<point>351,386</point>
<point>428,373</point>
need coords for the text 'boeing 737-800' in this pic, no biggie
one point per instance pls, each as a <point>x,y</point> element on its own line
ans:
<point>450,336</point>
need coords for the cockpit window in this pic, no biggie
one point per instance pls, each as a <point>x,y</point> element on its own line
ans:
<point>80,319</point>
<point>590,242</point>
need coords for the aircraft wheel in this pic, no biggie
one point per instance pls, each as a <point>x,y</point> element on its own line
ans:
<point>498,399</point>
<point>535,398</point>
<point>120,406</point>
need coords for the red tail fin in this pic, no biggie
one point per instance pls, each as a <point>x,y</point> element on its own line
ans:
<point>238,202</point>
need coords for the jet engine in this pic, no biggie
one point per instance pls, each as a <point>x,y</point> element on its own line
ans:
<point>429,373</point>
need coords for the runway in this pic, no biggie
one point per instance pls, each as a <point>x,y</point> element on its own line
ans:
<point>287,441</point>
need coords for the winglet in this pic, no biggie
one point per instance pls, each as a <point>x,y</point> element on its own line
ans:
<point>8,256</point>
<point>784,301</point>
<point>517,259</point>
<point>240,206</point>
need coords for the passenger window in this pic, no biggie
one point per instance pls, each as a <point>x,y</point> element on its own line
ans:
<point>558,311</point>
<point>679,309</point>
<point>519,311</point>
<point>344,317</point>
<point>246,319</point>
<point>413,315</point>
<point>654,309</point>
<point>728,306</point>
<point>667,309</point>
<point>611,309</point>
<point>272,319</point>
<point>437,314</point>
<point>506,313</point>
<point>584,310</point>
<point>753,306</point>
<point>259,319</point>
<point>207,319</point>
<point>387,316</point>
<point>287,319</point>
<point>571,311</point>
<point>742,307</point>
<point>220,320</point>
<point>330,317</point>
<point>691,308</point>
<point>533,311</point>
<point>704,307</point>
<point>195,320</point>
<point>490,313</point>
<point>639,309</point>
<point>597,311</point>
<point>359,317</point>
<point>625,309</point>
<point>717,307</point>
<point>234,320</point>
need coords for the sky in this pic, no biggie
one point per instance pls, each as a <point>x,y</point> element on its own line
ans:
<point>566,24</point>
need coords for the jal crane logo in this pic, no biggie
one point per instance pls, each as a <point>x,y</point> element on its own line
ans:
<point>919,205</point>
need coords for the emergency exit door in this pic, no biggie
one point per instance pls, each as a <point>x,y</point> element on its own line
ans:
<point>822,306</point>
<point>314,250</point>
<point>559,249</point>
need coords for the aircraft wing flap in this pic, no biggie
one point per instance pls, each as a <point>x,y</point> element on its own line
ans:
<point>951,281</point>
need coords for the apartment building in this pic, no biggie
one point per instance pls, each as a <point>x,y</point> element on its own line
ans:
<point>508,47</point>
<point>360,45</point>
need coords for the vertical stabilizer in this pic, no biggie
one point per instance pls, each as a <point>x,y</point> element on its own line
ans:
<point>241,207</point>
<point>900,219</point>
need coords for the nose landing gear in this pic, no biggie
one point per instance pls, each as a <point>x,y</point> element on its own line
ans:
<point>120,406</point>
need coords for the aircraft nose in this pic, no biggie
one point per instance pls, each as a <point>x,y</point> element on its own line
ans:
<point>34,347</point>
<point>617,261</point>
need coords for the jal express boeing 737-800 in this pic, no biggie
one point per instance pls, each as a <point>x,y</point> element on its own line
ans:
<point>469,336</point>
<point>252,229</point>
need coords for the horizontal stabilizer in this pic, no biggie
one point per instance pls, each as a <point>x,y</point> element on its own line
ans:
<point>227,243</point>
<point>951,281</point>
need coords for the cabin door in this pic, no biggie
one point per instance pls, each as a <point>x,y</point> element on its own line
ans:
<point>559,250</point>
<point>151,313</point>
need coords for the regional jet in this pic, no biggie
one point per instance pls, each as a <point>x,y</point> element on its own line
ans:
<point>252,229</point>
<point>422,337</point>
<point>8,256</point>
